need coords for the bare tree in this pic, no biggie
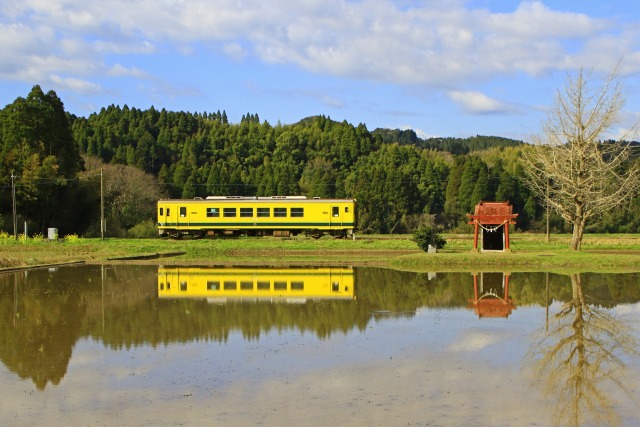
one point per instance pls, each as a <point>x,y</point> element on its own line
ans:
<point>130,194</point>
<point>570,167</point>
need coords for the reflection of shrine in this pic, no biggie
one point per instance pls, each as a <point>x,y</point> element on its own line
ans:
<point>491,295</point>
<point>494,219</point>
<point>256,284</point>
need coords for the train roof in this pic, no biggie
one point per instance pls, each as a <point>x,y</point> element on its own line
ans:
<point>256,198</point>
<point>298,199</point>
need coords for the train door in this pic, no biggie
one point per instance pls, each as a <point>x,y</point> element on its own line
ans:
<point>162,215</point>
<point>336,216</point>
<point>167,215</point>
<point>183,216</point>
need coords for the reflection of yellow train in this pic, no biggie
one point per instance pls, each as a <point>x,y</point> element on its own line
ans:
<point>257,216</point>
<point>253,284</point>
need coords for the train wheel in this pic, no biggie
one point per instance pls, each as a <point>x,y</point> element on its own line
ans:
<point>316,234</point>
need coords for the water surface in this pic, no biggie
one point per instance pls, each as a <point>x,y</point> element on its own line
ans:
<point>148,345</point>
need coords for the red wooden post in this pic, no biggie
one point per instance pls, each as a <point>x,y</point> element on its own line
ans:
<point>475,289</point>
<point>475,237</point>
<point>506,287</point>
<point>506,236</point>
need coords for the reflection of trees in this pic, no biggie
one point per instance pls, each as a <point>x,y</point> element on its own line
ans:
<point>44,314</point>
<point>575,359</point>
<point>38,334</point>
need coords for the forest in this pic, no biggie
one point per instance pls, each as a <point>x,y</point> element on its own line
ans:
<point>58,169</point>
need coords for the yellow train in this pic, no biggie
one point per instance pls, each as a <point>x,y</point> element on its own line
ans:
<point>281,216</point>
<point>256,284</point>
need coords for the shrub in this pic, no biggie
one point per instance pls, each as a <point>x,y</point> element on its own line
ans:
<point>144,229</point>
<point>428,235</point>
<point>73,238</point>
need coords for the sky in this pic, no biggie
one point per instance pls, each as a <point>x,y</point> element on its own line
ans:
<point>445,68</point>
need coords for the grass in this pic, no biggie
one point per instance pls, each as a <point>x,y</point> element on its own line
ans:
<point>530,252</point>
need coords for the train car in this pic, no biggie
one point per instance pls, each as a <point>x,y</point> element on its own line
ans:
<point>281,216</point>
<point>297,285</point>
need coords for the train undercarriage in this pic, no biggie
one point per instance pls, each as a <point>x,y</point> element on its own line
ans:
<point>199,234</point>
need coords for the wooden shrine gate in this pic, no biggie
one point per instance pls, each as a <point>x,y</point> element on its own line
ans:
<point>494,219</point>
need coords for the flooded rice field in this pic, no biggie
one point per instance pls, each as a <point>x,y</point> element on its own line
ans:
<point>152,345</point>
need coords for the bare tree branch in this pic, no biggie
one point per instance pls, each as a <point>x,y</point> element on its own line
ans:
<point>569,166</point>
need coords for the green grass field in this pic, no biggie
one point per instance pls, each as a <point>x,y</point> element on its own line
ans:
<point>530,252</point>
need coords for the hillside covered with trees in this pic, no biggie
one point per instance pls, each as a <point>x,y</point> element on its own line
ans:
<point>54,161</point>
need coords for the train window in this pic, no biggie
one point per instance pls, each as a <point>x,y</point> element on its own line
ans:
<point>335,211</point>
<point>167,211</point>
<point>183,285</point>
<point>264,212</point>
<point>263,286</point>
<point>346,208</point>
<point>280,286</point>
<point>213,285</point>
<point>230,286</point>
<point>161,211</point>
<point>213,212</point>
<point>297,286</point>
<point>246,286</point>
<point>297,212</point>
<point>246,212</point>
<point>229,212</point>
<point>183,211</point>
<point>280,212</point>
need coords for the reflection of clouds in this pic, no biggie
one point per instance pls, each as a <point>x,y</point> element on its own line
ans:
<point>406,391</point>
<point>419,371</point>
<point>474,341</point>
<point>106,387</point>
<point>91,361</point>
<point>414,381</point>
<point>626,309</point>
<point>83,357</point>
<point>440,391</point>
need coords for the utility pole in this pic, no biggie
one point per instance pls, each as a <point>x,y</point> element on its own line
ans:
<point>13,198</point>
<point>548,213</point>
<point>101,206</point>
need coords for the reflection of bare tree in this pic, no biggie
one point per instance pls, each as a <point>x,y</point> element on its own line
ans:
<point>576,359</point>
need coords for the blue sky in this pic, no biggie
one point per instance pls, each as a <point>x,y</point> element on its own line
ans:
<point>441,67</point>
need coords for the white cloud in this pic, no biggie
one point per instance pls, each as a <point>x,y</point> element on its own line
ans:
<point>119,70</point>
<point>474,102</point>
<point>622,134</point>
<point>235,51</point>
<point>532,19</point>
<point>75,85</point>
<point>143,47</point>
<point>441,45</point>
<point>424,135</point>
